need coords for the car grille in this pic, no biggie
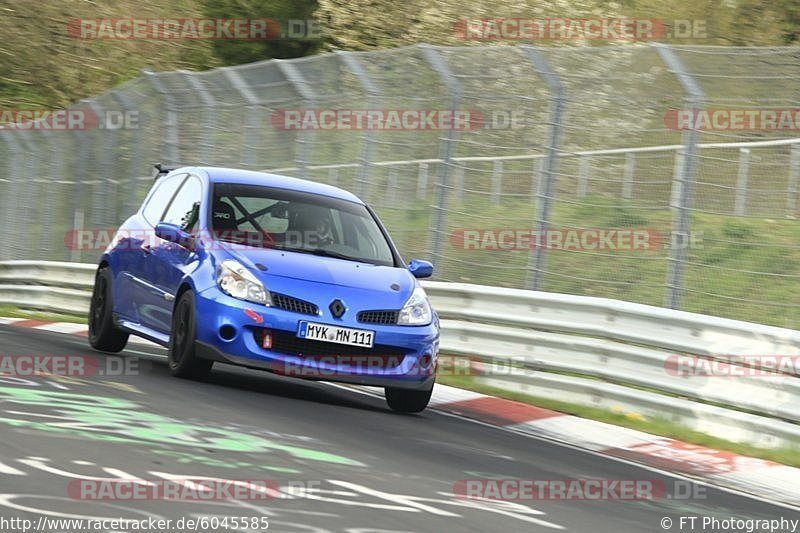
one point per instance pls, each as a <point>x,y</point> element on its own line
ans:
<point>289,344</point>
<point>296,305</point>
<point>378,317</point>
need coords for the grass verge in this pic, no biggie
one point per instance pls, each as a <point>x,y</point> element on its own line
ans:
<point>9,311</point>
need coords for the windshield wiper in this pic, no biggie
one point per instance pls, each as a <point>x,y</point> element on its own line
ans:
<point>233,241</point>
<point>324,253</point>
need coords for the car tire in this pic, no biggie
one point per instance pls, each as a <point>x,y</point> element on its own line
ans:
<point>103,335</point>
<point>181,356</point>
<point>408,401</point>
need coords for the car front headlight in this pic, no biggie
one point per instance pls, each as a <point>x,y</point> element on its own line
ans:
<point>235,280</point>
<point>417,311</point>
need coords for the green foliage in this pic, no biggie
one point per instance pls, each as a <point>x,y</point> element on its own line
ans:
<point>761,22</point>
<point>42,66</point>
<point>294,18</point>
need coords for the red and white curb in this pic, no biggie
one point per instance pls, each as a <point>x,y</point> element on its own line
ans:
<point>766,479</point>
<point>67,328</point>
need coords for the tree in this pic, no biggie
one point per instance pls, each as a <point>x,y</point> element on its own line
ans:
<point>292,31</point>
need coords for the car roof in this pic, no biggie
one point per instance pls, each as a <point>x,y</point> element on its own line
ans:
<point>249,177</point>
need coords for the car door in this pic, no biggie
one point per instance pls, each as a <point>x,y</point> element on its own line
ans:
<point>132,293</point>
<point>168,261</point>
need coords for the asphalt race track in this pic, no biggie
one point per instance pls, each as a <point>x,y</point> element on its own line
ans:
<point>341,461</point>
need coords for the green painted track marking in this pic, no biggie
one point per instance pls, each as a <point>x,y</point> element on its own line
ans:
<point>120,420</point>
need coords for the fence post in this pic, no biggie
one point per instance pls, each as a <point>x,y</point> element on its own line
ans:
<point>209,116</point>
<point>741,182</point>
<point>584,171</point>
<point>391,187</point>
<point>458,184</point>
<point>9,216</point>
<point>627,175</point>
<point>538,172</point>
<point>31,234</point>
<point>171,136</point>
<point>351,61</point>
<point>49,218</point>
<point>794,177</point>
<point>81,193</point>
<point>547,183</point>
<point>677,169</point>
<point>452,83</point>
<point>103,192</point>
<point>497,181</point>
<point>333,176</point>
<point>682,185</point>
<point>303,88</point>
<point>422,181</point>
<point>252,119</point>
<point>127,202</point>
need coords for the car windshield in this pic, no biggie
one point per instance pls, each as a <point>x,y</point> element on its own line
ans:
<point>296,221</point>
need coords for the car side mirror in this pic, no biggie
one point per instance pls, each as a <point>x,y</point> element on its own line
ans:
<point>174,233</point>
<point>420,268</point>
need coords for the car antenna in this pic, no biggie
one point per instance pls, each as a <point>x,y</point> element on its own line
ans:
<point>164,169</point>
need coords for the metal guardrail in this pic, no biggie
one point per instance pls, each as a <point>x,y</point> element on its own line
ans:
<point>583,350</point>
<point>617,355</point>
<point>58,287</point>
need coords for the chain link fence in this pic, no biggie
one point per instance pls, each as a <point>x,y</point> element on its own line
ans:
<point>562,143</point>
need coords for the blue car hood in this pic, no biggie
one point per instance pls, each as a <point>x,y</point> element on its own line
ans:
<point>317,269</point>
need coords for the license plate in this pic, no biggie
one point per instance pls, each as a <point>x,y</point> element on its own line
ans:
<point>335,334</point>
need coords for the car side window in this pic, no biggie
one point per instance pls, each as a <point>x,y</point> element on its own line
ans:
<point>160,197</point>
<point>185,207</point>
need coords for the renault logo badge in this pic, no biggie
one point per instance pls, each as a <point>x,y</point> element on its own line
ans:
<point>337,308</point>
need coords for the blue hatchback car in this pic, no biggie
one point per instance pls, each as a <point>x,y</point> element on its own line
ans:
<point>268,272</point>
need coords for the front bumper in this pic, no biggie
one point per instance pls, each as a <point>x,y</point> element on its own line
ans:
<point>232,331</point>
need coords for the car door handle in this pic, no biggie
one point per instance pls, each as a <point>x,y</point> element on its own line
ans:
<point>146,248</point>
